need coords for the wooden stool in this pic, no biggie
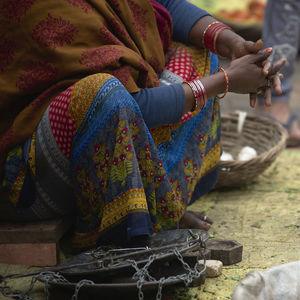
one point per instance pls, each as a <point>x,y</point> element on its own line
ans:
<point>32,244</point>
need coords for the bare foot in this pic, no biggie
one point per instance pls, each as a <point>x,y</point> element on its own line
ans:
<point>280,111</point>
<point>195,220</point>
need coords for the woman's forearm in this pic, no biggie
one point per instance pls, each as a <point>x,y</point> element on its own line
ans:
<point>225,41</point>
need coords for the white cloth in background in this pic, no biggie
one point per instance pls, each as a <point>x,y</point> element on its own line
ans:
<point>278,283</point>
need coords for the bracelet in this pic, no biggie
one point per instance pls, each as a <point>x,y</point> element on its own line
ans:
<point>226,79</point>
<point>204,32</point>
<point>211,34</point>
<point>199,94</point>
<point>202,92</point>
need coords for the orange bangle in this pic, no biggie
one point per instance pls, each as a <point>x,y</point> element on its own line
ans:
<point>226,79</point>
<point>216,37</point>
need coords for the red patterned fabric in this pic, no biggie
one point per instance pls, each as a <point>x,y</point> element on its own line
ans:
<point>181,63</point>
<point>62,125</point>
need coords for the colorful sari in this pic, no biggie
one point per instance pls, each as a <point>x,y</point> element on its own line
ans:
<point>92,156</point>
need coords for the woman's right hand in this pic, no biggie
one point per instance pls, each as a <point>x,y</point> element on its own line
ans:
<point>246,74</point>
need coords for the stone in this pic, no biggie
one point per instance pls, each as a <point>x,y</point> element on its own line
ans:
<point>213,268</point>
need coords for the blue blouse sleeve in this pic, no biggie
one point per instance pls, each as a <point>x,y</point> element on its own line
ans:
<point>164,105</point>
<point>184,15</point>
<point>161,105</point>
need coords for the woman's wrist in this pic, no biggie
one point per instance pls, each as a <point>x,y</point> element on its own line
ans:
<point>189,98</point>
<point>213,85</point>
<point>226,42</point>
<point>197,31</point>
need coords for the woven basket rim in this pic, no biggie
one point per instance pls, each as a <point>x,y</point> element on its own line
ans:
<point>265,156</point>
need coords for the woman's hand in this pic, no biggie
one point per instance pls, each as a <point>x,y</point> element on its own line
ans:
<point>253,74</point>
<point>271,71</point>
<point>246,73</point>
<point>233,46</point>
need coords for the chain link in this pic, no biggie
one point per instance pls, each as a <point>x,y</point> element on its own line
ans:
<point>6,291</point>
<point>79,285</point>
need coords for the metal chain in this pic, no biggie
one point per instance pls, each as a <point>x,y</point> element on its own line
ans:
<point>6,291</point>
<point>17,294</point>
<point>79,285</point>
<point>141,276</point>
<point>47,277</point>
<point>160,286</point>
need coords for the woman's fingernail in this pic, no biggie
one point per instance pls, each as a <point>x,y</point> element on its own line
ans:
<point>269,50</point>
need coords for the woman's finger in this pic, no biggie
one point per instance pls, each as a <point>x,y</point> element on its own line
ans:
<point>252,99</point>
<point>252,47</point>
<point>277,66</point>
<point>266,67</point>
<point>267,96</point>
<point>260,56</point>
<point>277,84</point>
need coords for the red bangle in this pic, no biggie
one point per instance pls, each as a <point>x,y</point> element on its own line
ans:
<point>205,31</point>
<point>211,34</point>
<point>216,37</point>
<point>226,79</point>
<point>202,96</point>
<point>199,94</point>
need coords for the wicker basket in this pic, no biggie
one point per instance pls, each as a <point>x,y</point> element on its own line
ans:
<point>267,137</point>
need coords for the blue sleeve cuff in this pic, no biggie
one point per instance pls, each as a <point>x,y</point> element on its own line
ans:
<point>161,105</point>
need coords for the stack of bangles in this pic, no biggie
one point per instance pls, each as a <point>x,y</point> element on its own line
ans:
<point>200,93</point>
<point>211,34</point>
<point>200,97</point>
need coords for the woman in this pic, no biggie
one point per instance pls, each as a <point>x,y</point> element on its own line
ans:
<point>87,128</point>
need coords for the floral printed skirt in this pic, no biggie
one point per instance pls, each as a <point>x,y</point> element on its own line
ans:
<point>93,157</point>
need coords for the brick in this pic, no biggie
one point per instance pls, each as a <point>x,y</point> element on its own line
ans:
<point>38,254</point>
<point>49,231</point>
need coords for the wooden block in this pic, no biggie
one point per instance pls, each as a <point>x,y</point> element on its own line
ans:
<point>49,231</point>
<point>38,254</point>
